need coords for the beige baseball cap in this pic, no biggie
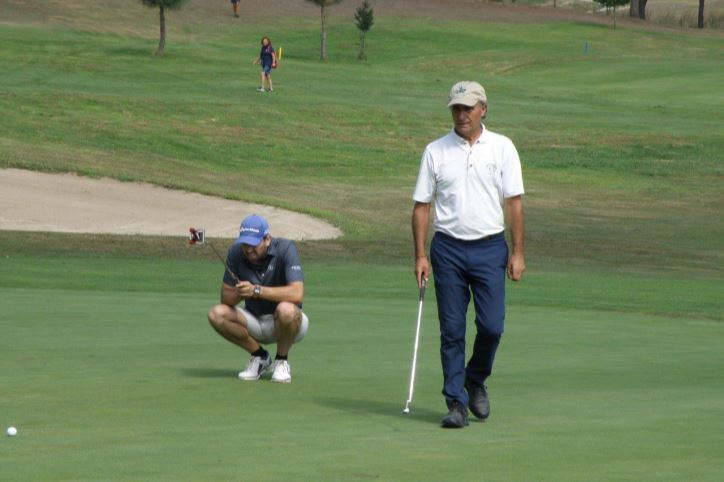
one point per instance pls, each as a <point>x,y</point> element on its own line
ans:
<point>467,93</point>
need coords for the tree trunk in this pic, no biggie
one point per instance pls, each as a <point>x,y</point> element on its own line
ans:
<point>634,9</point>
<point>362,55</point>
<point>701,14</point>
<point>642,9</point>
<point>614,17</point>
<point>162,39</point>
<point>323,49</point>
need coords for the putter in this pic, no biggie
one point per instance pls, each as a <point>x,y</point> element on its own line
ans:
<point>198,236</point>
<point>414,352</point>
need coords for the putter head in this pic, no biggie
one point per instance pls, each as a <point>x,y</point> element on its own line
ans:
<point>406,410</point>
<point>197,236</point>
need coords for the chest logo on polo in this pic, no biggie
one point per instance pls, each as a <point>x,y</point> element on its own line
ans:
<point>492,169</point>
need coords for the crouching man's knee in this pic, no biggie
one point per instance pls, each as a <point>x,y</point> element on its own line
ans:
<point>287,314</point>
<point>218,315</point>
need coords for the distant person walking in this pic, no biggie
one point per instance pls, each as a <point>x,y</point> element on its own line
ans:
<point>471,177</point>
<point>267,59</point>
<point>235,5</point>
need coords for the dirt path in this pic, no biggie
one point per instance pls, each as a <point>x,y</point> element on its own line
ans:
<point>36,201</point>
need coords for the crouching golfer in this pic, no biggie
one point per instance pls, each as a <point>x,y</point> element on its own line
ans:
<point>271,284</point>
<point>470,176</point>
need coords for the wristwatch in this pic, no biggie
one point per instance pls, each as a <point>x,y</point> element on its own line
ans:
<point>257,291</point>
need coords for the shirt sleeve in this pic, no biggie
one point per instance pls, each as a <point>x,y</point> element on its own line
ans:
<point>292,264</point>
<point>512,172</point>
<point>425,187</point>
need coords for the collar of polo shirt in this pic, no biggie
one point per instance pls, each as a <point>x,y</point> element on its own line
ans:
<point>481,140</point>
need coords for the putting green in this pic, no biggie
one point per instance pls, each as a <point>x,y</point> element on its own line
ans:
<point>113,384</point>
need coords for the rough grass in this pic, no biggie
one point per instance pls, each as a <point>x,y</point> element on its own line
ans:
<point>349,134</point>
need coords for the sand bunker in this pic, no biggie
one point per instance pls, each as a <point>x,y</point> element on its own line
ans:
<point>36,201</point>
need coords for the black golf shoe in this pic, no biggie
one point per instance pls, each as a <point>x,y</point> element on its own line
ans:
<point>478,399</point>
<point>457,417</point>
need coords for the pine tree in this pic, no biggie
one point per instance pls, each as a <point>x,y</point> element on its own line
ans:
<point>613,3</point>
<point>364,17</point>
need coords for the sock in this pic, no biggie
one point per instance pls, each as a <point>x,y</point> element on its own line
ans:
<point>261,352</point>
<point>281,357</point>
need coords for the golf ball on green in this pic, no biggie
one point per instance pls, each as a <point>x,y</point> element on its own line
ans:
<point>12,431</point>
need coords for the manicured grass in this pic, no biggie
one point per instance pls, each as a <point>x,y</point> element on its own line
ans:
<point>106,382</point>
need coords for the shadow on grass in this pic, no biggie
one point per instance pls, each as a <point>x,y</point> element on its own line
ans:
<point>208,373</point>
<point>376,407</point>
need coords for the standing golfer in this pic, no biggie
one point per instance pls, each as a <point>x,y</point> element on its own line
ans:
<point>272,287</point>
<point>471,177</point>
<point>267,59</point>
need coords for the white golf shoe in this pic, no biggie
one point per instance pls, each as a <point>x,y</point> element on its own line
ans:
<point>256,366</point>
<point>282,372</point>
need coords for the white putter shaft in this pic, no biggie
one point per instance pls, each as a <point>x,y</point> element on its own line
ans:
<point>414,353</point>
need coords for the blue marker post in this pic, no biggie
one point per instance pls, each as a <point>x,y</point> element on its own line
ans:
<point>585,47</point>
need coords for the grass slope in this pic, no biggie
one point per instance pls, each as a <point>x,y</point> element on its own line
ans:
<point>621,147</point>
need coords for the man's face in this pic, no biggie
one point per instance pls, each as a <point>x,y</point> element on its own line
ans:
<point>467,119</point>
<point>256,254</point>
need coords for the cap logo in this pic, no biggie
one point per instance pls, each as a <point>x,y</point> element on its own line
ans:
<point>460,90</point>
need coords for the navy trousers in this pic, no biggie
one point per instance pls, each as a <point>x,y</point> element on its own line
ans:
<point>461,267</point>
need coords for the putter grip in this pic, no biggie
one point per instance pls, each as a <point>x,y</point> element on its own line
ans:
<point>422,289</point>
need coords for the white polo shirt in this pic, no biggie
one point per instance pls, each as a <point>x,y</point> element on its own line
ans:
<point>468,184</point>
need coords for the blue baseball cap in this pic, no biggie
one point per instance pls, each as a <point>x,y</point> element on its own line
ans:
<point>253,230</point>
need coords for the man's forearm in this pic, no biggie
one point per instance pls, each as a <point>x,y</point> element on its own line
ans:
<point>229,296</point>
<point>516,224</point>
<point>420,221</point>
<point>292,293</point>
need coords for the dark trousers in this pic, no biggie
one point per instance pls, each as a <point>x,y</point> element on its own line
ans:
<point>461,267</point>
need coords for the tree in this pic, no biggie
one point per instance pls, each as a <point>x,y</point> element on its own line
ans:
<point>365,19</point>
<point>162,6</point>
<point>700,23</point>
<point>613,3</point>
<point>638,9</point>
<point>642,9</point>
<point>323,4</point>
<point>634,8</point>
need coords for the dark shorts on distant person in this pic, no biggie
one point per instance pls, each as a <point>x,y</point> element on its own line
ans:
<point>235,2</point>
<point>266,68</point>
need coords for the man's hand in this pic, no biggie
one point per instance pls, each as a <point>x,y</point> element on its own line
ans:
<point>516,266</point>
<point>245,290</point>
<point>422,270</point>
